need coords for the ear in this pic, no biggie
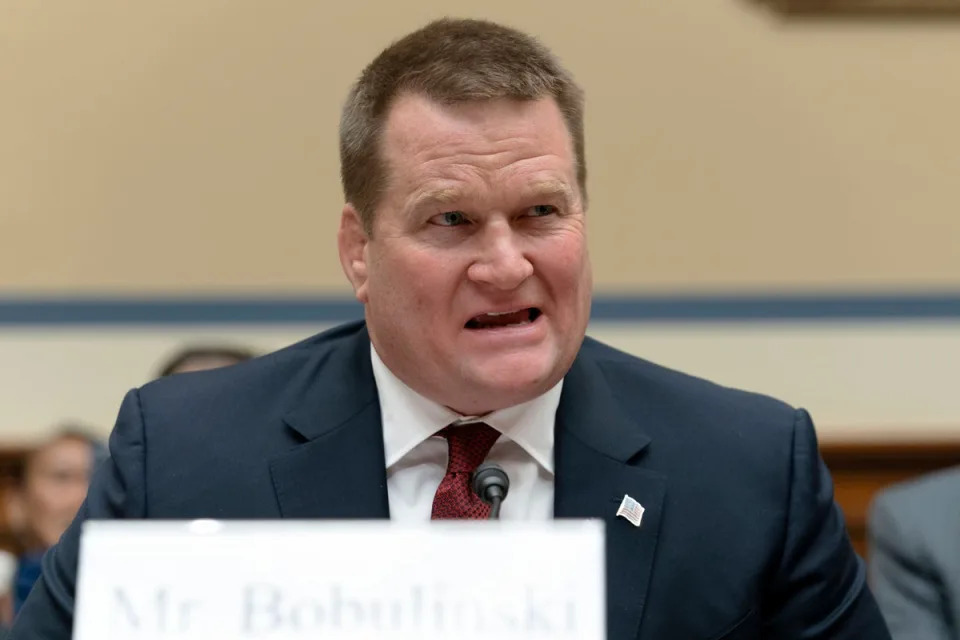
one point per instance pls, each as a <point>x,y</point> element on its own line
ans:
<point>352,242</point>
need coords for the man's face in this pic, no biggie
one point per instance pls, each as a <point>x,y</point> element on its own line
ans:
<point>476,277</point>
<point>54,488</point>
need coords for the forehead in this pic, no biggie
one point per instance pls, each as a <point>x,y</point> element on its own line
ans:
<point>60,451</point>
<point>425,139</point>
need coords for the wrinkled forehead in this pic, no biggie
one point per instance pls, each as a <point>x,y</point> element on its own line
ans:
<point>423,138</point>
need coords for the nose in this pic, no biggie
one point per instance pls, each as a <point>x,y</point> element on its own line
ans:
<point>500,262</point>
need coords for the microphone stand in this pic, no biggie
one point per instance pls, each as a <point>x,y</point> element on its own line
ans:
<point>490,483</point>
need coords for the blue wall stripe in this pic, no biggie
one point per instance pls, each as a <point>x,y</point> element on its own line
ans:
<point>637,308</point>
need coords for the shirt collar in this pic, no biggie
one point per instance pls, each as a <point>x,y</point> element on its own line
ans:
<point>409,418</point>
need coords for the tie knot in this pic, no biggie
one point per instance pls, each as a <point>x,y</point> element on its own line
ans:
<point>469,445</point>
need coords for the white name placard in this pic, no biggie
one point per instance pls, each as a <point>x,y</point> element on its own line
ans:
<point>286,580</point>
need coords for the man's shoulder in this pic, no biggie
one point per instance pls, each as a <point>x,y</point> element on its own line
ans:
<point>720,446</point>
<point>266,379</point>
<point>644,381</point>
<point>919,518</point>
<point>925,494</point>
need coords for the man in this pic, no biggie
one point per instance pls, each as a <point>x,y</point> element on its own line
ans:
<point>464,236</point>
<point>914,532</point>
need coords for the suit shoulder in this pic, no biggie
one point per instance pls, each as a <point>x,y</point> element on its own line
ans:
<point>917,518</point>
<point>648,382</point>
<point>922,494</point>
<point>254,381</point>
<point>721,447</point>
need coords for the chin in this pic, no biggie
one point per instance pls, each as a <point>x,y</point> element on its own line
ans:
<point>521,379</point>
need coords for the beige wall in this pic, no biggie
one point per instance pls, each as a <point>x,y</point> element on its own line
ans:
<point>190,145</point>
<point>876,382</point>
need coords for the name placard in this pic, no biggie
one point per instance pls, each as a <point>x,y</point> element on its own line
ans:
<point>287,580</point>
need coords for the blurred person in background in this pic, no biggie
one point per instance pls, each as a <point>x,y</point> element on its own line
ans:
<point>45,499</point>
<point>8,568</point>
<point>914,530</point>
<point>203,357</point>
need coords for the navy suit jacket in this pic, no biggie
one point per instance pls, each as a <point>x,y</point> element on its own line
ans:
<point>740,538</point>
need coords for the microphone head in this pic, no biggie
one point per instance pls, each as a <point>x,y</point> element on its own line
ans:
<point>490,480</point>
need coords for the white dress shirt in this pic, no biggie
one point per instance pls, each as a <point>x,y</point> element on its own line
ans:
<point>416,459</point>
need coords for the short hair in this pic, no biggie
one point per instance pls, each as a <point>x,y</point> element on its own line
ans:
<point>185,355</point>
<point>450,61</point>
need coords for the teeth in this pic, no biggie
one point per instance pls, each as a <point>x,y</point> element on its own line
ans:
<point>491,319</point>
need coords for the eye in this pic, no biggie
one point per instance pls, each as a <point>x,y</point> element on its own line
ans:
<point>449,219</point>
<point>540,210</point>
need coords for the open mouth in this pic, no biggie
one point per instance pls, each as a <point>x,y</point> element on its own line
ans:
<point>504,319</point>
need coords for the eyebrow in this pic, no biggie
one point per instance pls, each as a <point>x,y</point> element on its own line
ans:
<point>541,189</point>
<point>549,189</point>
<point>436,197</point>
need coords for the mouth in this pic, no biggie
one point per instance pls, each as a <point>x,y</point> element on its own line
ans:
<point>503,319</point>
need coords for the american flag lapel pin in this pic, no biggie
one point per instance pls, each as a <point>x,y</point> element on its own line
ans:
<point>631,510</point>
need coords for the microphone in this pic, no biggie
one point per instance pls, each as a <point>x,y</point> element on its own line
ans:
<point>490,483</point>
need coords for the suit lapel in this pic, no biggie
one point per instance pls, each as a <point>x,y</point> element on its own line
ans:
<point>337,470</point>
<point>595,443</point>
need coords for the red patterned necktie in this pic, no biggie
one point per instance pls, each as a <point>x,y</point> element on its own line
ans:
<point>469,444</point>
